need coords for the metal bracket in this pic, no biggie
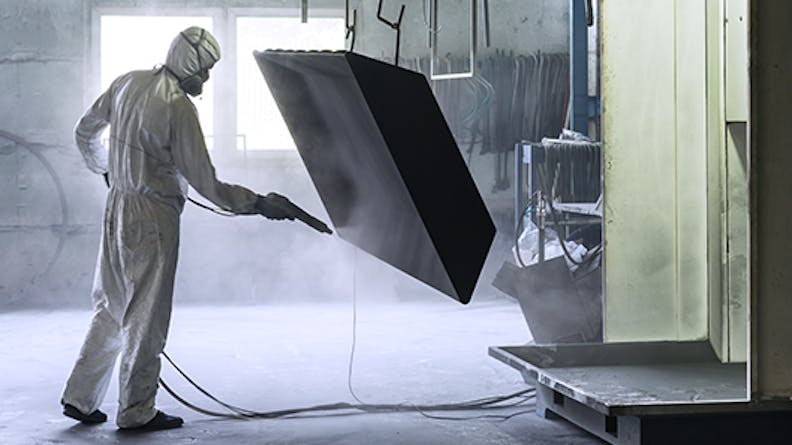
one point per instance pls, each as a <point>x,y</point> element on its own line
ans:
<point>594,106</point>
<point>485,7</point>
<point>394,25</point>
<point>304,11</point>
<point>589,14</point>
<point>350,29</point>
<point>434,30</point>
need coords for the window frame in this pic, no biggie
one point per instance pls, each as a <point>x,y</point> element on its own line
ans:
<point>233,15</point>
<point>93,68</point>
<point>224,75</point>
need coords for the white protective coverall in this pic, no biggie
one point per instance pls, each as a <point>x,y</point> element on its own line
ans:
<point>156,148</point>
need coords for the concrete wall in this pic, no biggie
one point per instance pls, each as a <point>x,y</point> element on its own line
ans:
<point>51,206</point>
<point>41,71</point>
<point>525,26</point>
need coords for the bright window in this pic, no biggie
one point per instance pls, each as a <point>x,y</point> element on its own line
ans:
<point>259,122</point>
<point>125,48</point>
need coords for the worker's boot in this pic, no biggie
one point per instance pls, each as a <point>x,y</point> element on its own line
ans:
<point>93,418</point>
<point>161,421</point>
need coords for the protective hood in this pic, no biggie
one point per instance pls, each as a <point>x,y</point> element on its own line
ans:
<point>183,60</point>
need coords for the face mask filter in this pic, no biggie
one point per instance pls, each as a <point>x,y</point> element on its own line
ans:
<point>192,85</point>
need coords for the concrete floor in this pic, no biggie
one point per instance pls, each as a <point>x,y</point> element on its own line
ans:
<point>276,357</point>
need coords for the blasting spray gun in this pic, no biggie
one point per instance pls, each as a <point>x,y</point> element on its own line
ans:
<point>281,205</point>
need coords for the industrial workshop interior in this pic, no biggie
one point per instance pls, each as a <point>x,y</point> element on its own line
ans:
<point>395,222</point>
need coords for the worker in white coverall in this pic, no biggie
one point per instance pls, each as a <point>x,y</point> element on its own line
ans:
<point>156,149</point>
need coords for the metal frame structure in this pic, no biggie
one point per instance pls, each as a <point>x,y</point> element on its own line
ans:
<point>434,29</point>
<point>578,66</point>
<point>649,392</point>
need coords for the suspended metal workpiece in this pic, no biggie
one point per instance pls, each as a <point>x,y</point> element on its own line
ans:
<point>434,28</point>
<point>384,163</point>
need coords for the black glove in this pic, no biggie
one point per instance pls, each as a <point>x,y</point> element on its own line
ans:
<point>275,206</point>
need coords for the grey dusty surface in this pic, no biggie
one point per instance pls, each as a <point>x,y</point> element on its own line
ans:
<point>272,357</point>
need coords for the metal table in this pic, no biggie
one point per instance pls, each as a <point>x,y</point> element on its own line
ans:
<point>649,393</point>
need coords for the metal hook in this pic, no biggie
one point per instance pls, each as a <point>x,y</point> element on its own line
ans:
<point>394,25</point>
<point>427,18</point>
<point>350,29</point>
<point>486,23</point>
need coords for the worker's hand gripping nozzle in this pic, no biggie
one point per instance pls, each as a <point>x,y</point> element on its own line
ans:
<point>277,206</point>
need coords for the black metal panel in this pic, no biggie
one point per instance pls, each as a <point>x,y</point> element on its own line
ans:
<point>385,164</point>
